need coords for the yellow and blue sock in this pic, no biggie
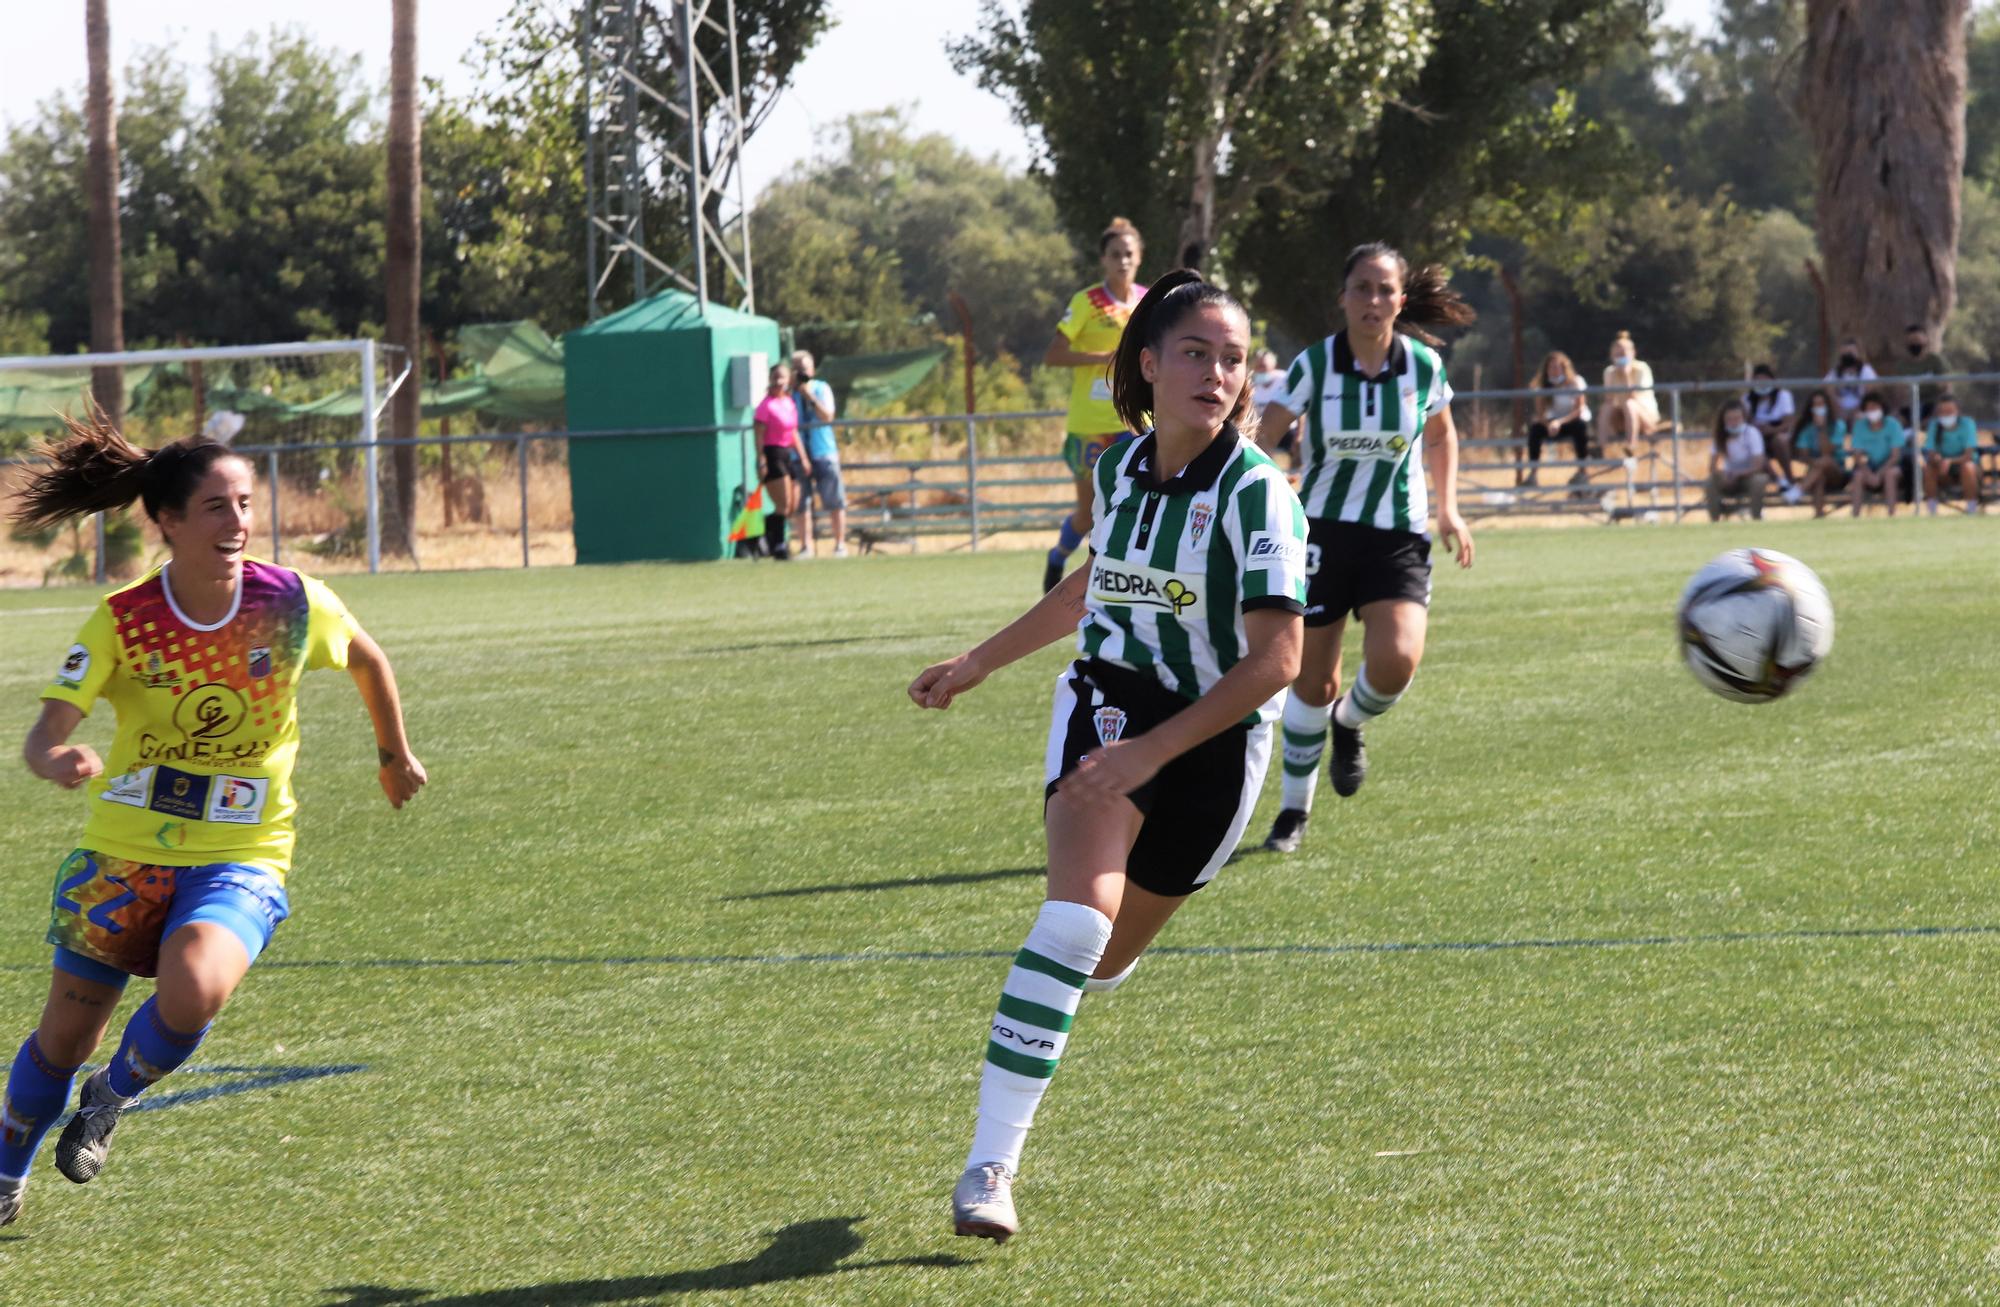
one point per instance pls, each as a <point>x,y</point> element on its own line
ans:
<point>1066,543</point>
<point>37,1093</point>
<point>149,1050</point>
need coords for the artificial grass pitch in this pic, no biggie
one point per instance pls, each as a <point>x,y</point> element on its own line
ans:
<point>675,981</point>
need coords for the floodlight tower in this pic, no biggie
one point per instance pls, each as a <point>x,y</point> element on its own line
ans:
<point>622,160</point>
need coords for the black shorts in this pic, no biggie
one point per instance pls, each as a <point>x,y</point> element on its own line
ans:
<point>1349,565</point>
<point>781,461</point>
<point>1195,808</point>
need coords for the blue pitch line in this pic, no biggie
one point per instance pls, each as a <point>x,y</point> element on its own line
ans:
<point>1183,950</point>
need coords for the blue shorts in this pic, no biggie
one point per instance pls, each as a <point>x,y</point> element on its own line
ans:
<point>110,916</point>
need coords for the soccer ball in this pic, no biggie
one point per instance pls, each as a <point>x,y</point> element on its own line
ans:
<point>1753,623</point>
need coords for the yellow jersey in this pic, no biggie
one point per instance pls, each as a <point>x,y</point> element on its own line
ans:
<point>1093,324</point>
<point>200,771</point>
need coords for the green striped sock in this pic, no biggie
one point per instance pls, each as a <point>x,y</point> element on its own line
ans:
<point>1031,1027</point>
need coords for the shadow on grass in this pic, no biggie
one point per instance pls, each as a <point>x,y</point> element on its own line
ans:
<point>801,1251</point>
<point>906,882</point>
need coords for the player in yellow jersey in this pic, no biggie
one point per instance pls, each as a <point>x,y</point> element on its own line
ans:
<point>180,873</point>
<point>1087,340</point>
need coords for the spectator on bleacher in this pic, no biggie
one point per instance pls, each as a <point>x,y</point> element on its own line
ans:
<point>1740,465</point>
<point>1820,442</point>
<point>1921,361</point>
<point>815,400</point>
<point>785,467</point>
<point>1267,386</point>
<point>1562,414</point>
<point>1773,413</point>
<point>1633,415</point>
<point>1877,441</point>
<point>1853,373</point>
<point>1951,453</point>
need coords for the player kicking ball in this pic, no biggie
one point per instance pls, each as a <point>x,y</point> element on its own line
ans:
<point>1187,620</point>
<point>181,871</point>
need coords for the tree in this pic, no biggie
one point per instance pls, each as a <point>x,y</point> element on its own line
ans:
<point>405,258</point>
<point>881,233</point>
<point>1485,139</point>
<point>1182,114</point>
<point>1883,97</point>
<point>107,301</point>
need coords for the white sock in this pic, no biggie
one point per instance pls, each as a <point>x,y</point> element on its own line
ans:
<point>1363,703</point>
<point>1304,729</point>
<point>1037,1005</point>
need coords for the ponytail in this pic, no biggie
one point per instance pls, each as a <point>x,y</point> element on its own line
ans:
<point>94,469</point>
<point>1428,299</point>
<point>1166,302</point>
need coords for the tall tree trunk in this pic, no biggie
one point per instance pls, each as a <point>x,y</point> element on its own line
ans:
<point>107,295</point>
<point>1883,97</point>
<point>405,264</point>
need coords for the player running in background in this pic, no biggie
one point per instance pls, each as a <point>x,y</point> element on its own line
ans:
<point>181,870</point>
<point>1086,341</point>
<point>1188,624</point>
<point>1369,395</point>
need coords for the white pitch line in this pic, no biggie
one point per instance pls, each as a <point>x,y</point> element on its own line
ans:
<point>39,612</point>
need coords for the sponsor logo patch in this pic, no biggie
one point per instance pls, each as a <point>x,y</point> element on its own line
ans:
<point>238,799</point>
<point>1110,723</point>
<point>1127,584</point>
<point>1268,550</point>
<point>180,794</point>
<point>131,789</point>
<point>75,666</point>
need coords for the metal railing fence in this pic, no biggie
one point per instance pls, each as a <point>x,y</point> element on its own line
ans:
<point>961,495</point>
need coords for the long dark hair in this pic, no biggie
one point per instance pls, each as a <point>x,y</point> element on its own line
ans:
<point>1722,435</point>
<point>1428,299</point>
<point>1166,302</point>
<point>95,469</point>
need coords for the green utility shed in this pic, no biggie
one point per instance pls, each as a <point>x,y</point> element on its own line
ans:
<point>663,362</point>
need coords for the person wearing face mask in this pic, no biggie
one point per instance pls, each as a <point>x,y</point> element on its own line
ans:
<point>1951,454</point>
<point>1852,371</point>
<point>1740,466</point>
<point>1821,444</point>
<point>1562,414</point>
<point>1877,440</point>
<point>1634,414</point>
<point>1772,413</point>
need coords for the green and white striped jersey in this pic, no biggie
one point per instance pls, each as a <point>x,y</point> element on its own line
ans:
<point>1175,564</point>
<point>1360,438</point>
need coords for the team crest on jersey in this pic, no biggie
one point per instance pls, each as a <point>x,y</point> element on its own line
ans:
<point>260,661</point>
<point>1198,519</point>
<point>1110,723</point>
<point>75,666</point>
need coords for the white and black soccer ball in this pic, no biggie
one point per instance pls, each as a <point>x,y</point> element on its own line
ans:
<point>1753,623</point>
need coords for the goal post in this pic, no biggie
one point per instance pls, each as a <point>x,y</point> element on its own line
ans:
<point>299,400</point>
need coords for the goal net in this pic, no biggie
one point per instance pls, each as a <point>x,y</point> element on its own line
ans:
<point>308,416</point>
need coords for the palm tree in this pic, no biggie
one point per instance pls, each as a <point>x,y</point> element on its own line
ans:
<point>405,263</point>
<point>107,295</point>
<point>1883,96</point>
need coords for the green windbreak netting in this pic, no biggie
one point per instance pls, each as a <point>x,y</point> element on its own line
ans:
<point>31,400</point>
<point>875,380</point>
